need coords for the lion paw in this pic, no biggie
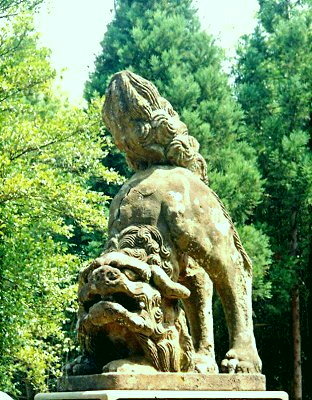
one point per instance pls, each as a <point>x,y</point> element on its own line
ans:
<point>205,364</point>
<point>82,365</point>
<point>243,363</point>
<point>132,365</point>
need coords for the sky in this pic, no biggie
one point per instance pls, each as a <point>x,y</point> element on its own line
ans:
<point>73,30</point>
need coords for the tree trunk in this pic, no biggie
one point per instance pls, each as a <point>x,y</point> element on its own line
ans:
<point>297,382</point>
<point>30,393</point>
<point>295,310</point>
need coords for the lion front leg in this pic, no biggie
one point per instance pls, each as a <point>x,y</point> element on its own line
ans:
<point>235,290</point>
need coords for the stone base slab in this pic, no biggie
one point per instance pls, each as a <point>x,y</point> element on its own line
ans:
<point>163,381</point>
<point>163,394</point>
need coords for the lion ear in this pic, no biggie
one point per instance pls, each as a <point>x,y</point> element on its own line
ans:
<point>166,286</point>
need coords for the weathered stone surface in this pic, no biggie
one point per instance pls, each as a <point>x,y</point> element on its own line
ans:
<point>170,237</point>
<point>163,381</point>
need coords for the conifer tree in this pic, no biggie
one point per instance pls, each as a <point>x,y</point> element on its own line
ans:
<point>274,88</point>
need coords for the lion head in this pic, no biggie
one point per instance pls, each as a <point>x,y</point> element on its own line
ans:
<point>147,128</point>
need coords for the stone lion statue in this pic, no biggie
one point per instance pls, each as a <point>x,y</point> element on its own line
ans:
<point>170,237</point>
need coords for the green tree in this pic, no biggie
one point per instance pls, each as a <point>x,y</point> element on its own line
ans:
<point>273,87</point>
<point>9,8</point>
<point>50,154</point>
<point>162,41</point>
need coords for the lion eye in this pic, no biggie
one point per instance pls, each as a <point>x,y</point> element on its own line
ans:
<point>131,275</point>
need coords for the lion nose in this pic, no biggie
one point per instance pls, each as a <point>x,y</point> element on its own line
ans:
<point>107,275</point>
<point>112,275</point>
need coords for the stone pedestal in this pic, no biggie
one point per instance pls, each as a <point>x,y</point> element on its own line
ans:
<point>175,386</point>
<point>163,381</point>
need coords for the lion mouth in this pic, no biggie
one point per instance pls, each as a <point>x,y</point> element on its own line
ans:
<point>129,303</point>
<point>126,301</point>
<point>94,300</point>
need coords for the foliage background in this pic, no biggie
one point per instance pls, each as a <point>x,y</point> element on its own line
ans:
<point>51,220</point>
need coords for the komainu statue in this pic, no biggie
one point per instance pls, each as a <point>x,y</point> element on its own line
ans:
<point>146,301</point>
